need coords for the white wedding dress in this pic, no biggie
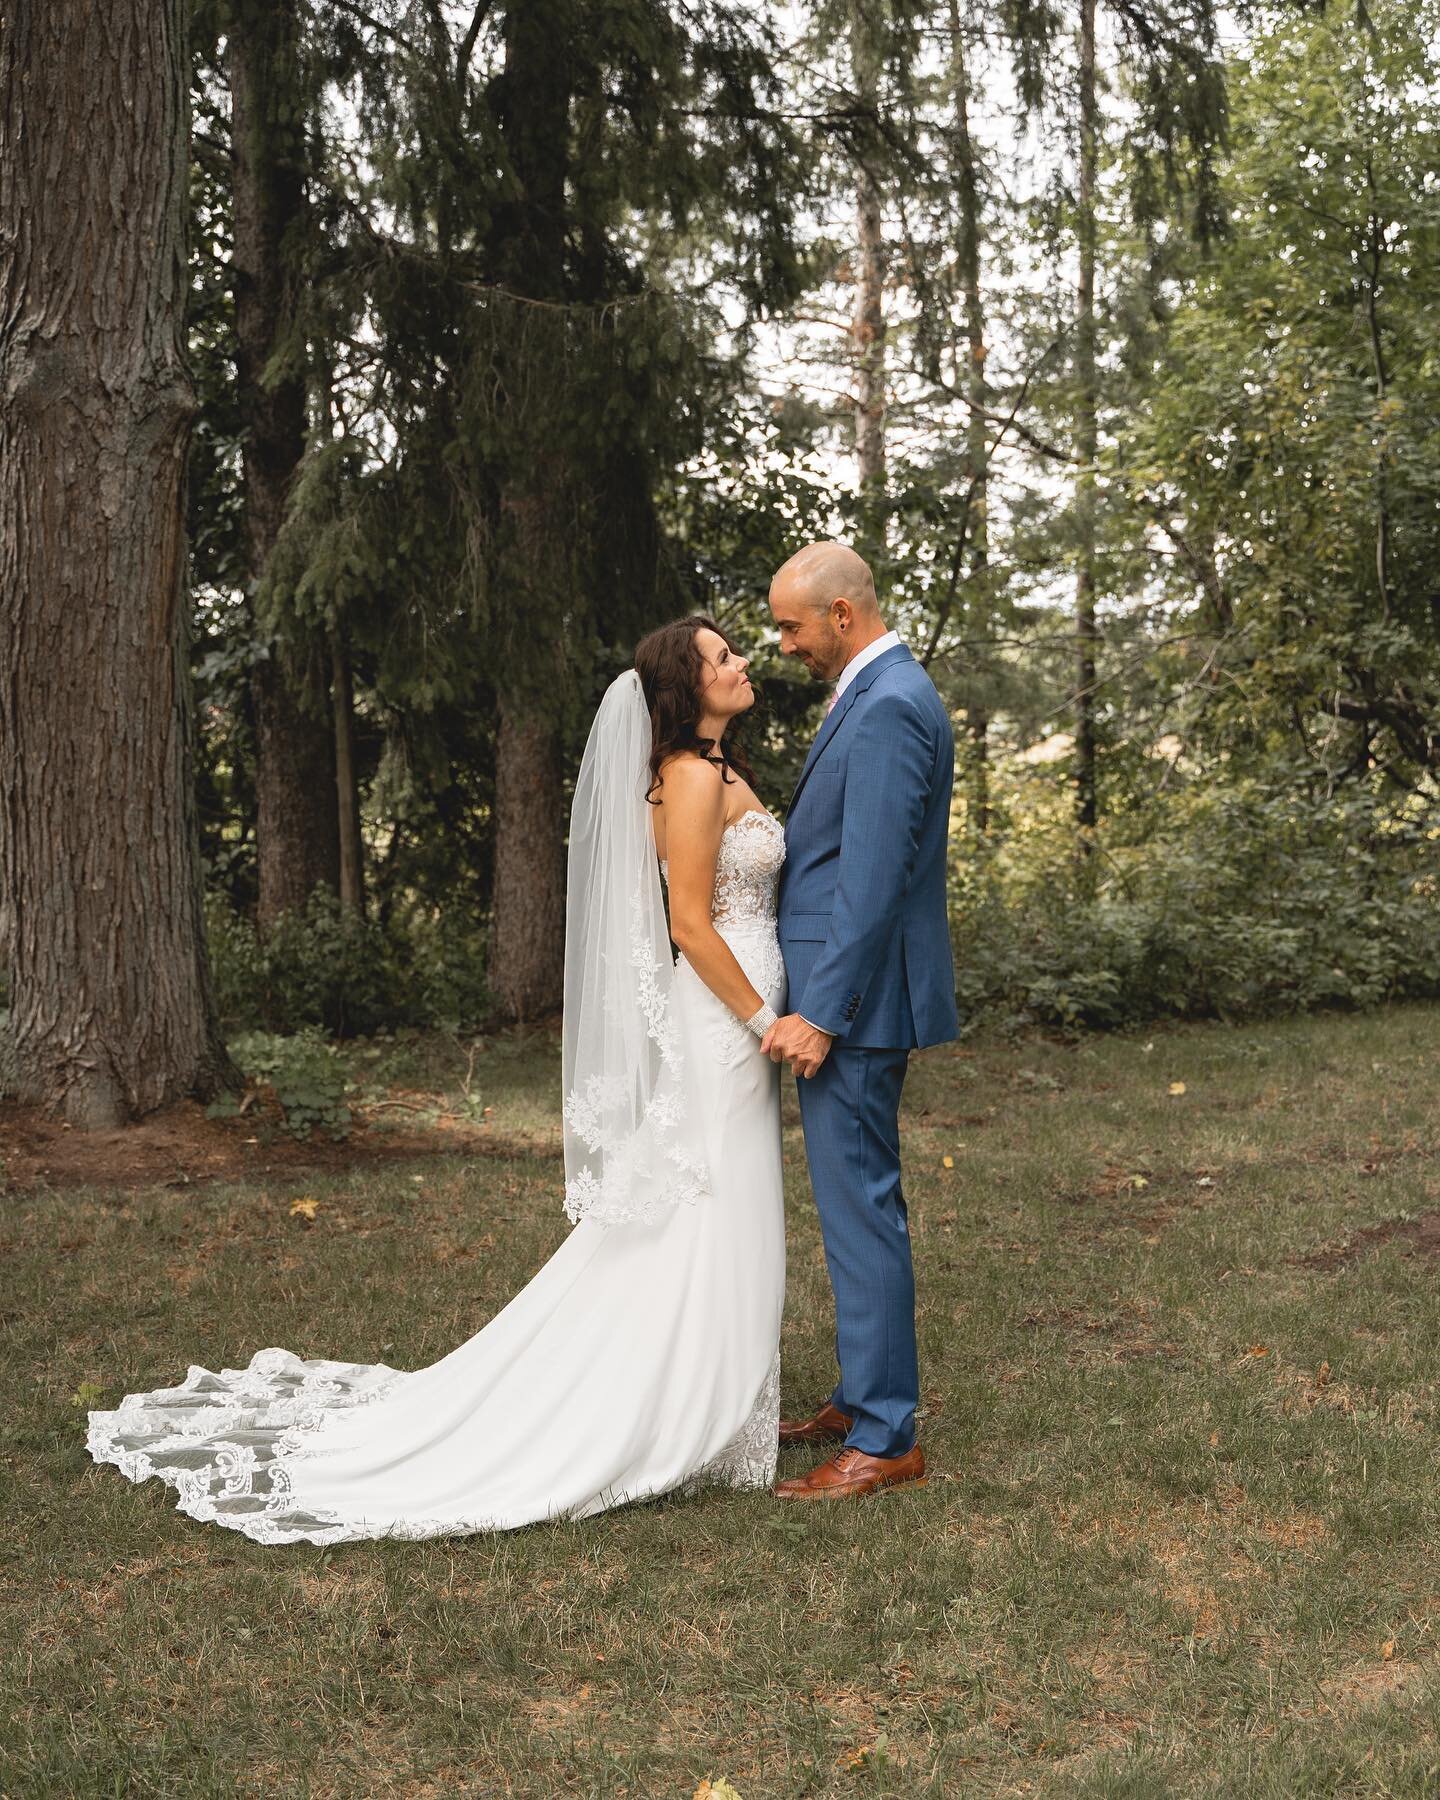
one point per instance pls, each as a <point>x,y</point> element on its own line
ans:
<point>642,1358</point>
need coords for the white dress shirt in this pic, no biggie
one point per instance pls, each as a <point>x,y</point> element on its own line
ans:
<point>856,663</point>
<point>863,657</point>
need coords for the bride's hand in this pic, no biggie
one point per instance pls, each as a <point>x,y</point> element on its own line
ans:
<point>802,1045</point>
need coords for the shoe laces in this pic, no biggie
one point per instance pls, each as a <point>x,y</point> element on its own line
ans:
<point>844,1458</point>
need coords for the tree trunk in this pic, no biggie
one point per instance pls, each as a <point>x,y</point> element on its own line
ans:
<point>528,942</point>
<point>347,788</point>
<point>1375,249</point>
<point>977,444</point>
<point>527,945</point>
<point>1086,442</point>
<point>868,328</point>
<point>112,1011</point>
<point>297,826</point>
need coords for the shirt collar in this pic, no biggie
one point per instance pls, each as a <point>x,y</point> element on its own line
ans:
<point>862,658</point>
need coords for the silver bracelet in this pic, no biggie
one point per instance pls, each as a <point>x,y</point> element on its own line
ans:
<point>761,1021</point>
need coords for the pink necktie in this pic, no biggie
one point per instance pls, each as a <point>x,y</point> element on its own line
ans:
<point>830,703</point>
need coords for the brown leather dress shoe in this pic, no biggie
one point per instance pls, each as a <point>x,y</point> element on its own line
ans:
<point>852,1473</point>
<point>829,1423</point>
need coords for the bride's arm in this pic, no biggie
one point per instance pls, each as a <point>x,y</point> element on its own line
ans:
<point>694,797</point>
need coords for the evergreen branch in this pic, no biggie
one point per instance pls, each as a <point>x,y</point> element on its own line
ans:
<point>467,48</point>
<point>220,154</point>
<point>1041,446</point>
<point>439,267</point>
<point>438,25</point>
<point>613,304</point>
<point>367,18</point>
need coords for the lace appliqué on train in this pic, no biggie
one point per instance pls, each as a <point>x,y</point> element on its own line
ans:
<point>225,1441</point>
<point>749,1459</point>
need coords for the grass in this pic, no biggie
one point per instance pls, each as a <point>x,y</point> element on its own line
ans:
<point>1181,1536</point>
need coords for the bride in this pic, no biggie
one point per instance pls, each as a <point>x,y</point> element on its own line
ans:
<point>643,1357</point>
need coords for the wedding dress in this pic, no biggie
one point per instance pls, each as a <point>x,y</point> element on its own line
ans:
<point>641,1359</point>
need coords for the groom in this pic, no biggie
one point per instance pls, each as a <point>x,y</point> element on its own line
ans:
<point>865,936</point>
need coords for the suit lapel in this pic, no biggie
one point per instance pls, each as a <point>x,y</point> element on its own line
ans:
<point>836,717</point>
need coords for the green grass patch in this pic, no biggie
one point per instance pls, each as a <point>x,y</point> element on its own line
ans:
<point>1181,1536</point>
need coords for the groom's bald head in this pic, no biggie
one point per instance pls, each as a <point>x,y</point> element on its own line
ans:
<point>823,601</point>
<point>825,572</point>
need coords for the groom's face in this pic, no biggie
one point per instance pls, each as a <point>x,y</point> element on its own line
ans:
<point>807,631</point>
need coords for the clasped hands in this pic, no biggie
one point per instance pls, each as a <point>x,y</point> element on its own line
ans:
<point>793,1040</point>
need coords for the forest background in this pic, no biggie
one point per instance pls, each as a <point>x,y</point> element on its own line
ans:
<point>1105,328</point>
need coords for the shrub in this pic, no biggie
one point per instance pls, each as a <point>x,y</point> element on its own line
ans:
<point>308,1080</point>
<point>1246,901</point>
<point>326,967</point>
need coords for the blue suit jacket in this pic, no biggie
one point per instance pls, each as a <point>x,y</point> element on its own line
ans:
<point>863,921</point>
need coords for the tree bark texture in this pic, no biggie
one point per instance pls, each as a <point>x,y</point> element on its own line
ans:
<point>1086,440</point>
<point>297,826</point>
<point>528,941</point>
<point>868,327</point>
<point>297,842</point>
<point>111,1005</point>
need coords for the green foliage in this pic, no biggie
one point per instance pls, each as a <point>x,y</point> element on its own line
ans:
<point>1249,899</point>
<point>326,968</point>
<point>1270,534</point>
<point>309,1082</point>
<point>518,470</point>
<point>1286,435</point>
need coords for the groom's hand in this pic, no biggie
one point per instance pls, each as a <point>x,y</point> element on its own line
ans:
<point>802,1045</point>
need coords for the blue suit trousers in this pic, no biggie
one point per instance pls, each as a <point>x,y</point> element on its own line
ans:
<point>850,1111</point>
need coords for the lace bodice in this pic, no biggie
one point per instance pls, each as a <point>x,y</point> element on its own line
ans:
<point>747,871</point>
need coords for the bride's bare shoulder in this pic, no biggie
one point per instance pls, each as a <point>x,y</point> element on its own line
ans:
<point>685,776</point>
<point>691,796</point>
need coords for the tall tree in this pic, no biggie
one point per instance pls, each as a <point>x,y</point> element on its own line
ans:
<point>111,1006</point>
<point>556,373</point>
<point>529,259</point>
<point>1168,64</point>
<point>868,325</point>
<point>1287,442</point>
<point>298,824</point>
<point>964,172</point>
<point>1087,429</point>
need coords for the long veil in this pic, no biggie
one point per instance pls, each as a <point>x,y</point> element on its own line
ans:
<point>631,1152</point>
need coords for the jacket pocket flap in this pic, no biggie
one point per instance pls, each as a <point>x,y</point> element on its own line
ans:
<point>812,927</point>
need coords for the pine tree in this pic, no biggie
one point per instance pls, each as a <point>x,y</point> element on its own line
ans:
<point>1086,429</point>
<point>298,826</point>
<point>543,173</point>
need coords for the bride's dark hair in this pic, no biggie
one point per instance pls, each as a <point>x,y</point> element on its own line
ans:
<point>670,668</point>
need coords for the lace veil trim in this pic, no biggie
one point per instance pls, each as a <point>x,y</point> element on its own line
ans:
<point>628,1155</point>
